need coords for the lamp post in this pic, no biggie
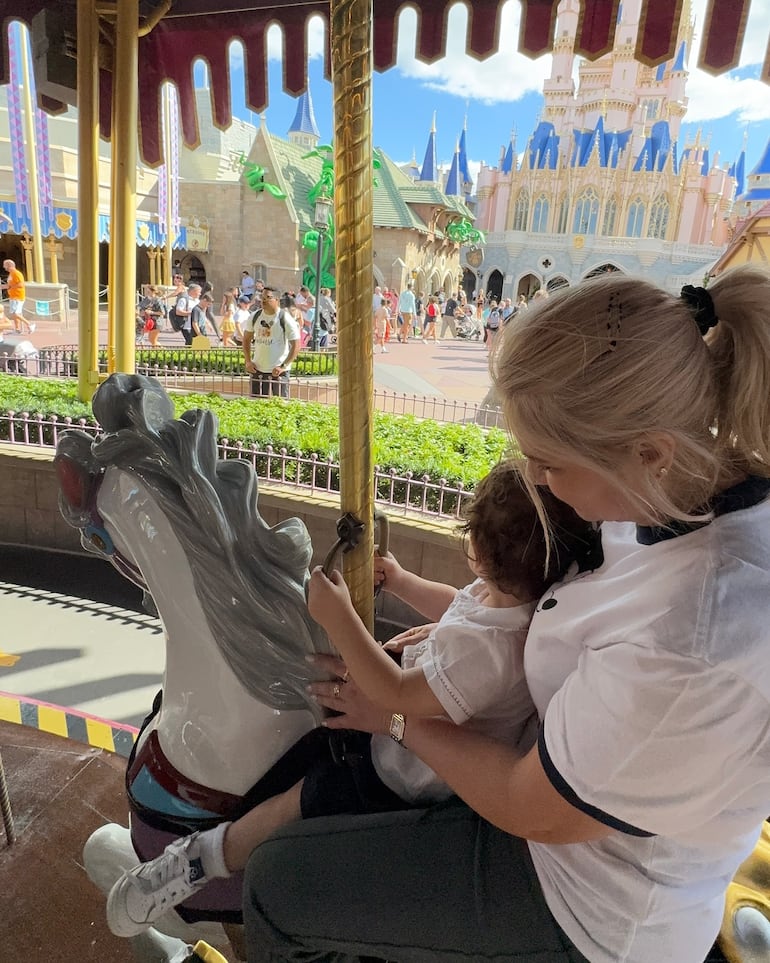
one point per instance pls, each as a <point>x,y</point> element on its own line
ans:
<point>321,214</point>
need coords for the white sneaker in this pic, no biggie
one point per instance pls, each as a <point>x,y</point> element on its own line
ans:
<point>384,350</point>
<point>32,328</point>
<point>146,892</point>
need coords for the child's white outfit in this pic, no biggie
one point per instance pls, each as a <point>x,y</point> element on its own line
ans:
<point>474,663</point>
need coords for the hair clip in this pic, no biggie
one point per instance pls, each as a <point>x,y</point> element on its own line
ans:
<point>614,317</point>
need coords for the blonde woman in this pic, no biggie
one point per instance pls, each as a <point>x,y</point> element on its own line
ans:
<point>616,835</point>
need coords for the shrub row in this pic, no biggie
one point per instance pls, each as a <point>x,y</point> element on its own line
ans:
<point>460,454</point>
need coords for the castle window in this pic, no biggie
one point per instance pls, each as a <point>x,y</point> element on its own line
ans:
<point>563,215</point>
<point>540,215</point>
<point>610,216</point>
<point>521,211</point>
<point>659,218</point>
<point>635,220</point>
<point>586,212</point>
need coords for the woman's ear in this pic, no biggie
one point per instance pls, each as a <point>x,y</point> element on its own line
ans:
<point>656,451</point>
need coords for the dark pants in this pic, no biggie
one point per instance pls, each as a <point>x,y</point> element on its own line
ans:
<point>421,886</point>
<point>187,334</point>
<point>263,384</point>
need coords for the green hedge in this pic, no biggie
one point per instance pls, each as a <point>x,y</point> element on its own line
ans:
<point>461,454</point>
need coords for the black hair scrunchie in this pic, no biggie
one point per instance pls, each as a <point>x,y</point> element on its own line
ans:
<point>701,306</point>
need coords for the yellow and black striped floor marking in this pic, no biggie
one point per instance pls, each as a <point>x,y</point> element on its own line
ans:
<point>78,726</point>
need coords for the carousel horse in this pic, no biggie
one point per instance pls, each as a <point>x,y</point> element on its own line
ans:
<point>151,496</point>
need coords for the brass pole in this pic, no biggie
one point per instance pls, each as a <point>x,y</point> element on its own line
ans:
<point>88,199</point>
<point>168,252</point>
<point>125,107</point>
<point>38,259</point>
<point>351,54</point>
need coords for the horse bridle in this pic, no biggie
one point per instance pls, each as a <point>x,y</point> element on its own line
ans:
<point>80,487</point>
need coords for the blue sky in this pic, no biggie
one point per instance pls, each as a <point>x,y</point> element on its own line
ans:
<point>503,93</point>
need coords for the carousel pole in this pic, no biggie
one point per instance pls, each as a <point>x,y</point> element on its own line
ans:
<point>88,199</point>
<point>125,112</point>
<point>38,260</point>
<point>351,54</point>
<point>168,251</point>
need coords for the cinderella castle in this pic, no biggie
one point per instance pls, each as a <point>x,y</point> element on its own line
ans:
<point>605,181</point>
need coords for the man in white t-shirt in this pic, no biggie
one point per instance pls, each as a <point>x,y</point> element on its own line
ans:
<point>271,342</point>
<point>183,308</point>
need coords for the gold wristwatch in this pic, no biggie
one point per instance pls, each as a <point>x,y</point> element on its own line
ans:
<point>397,728</point>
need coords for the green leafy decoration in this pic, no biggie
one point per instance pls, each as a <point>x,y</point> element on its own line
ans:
<point>463,232</point>
<point>254,175</point>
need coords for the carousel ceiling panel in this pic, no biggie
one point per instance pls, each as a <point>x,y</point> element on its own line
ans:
<point>193,29</point>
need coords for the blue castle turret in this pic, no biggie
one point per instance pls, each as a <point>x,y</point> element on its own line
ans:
<point>465,173</point>
<point>304,130</point>
<point>429,170</point>
<point>453,186</point>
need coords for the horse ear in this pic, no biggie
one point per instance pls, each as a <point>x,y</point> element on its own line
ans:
<point>124,400</point>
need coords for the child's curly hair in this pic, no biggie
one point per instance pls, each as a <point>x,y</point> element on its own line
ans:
<point>508,538</point>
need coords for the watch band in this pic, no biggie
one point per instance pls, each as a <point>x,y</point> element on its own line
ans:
<point>397,728</point>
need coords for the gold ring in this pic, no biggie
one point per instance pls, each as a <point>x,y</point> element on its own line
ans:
<point>346,676</point>
<point>336,690</point>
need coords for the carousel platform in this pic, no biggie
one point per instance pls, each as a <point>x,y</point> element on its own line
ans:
<point>60,792</point>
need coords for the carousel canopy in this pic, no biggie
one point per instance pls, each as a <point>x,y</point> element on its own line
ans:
<point>192,29</point>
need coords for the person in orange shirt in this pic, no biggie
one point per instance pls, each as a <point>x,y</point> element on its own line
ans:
<point>16,295</point>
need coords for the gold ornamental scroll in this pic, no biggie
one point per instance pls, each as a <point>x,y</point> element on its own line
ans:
<point>351,55</point>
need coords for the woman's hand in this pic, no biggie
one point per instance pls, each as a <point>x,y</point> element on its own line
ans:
<point>328,599</point>
<point>342,695</point>
<point>410,637</point>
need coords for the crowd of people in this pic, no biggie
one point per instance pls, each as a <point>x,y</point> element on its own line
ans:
<point>189,310</point>
<point>411,315</point>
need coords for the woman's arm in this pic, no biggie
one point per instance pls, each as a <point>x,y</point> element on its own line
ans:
<point>507,789</point>
<point>383,681</point>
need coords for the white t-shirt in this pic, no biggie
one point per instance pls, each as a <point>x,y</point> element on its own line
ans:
<point>652,678</point>
<point>270,346</point>
<point>241,316</point>
<point>186,302</point>
<point>473,662</point>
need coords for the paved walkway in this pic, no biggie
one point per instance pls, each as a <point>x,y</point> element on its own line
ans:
<point>453,369</point>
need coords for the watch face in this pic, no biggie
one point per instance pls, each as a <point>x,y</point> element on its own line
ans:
<point>397,726</point>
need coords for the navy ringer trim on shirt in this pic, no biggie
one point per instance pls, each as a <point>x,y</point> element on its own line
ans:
<point>751,491</point>
<point>566,791</point>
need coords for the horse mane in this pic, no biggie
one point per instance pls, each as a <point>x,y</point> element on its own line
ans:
<point>261,624</point>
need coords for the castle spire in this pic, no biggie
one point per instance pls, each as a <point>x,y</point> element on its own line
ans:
<point>304,130</point>
<point>429,170</point>
<point>452,188</point>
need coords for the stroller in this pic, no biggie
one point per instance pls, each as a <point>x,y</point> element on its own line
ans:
<point>468,328</point>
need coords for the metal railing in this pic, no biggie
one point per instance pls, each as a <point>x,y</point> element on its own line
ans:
<point>402,491</point>
<point>229,380</point>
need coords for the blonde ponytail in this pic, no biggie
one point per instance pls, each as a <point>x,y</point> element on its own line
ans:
<point>739,346</point>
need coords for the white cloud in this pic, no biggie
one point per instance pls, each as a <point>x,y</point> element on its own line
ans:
<point>713,97</point>
<point>502,78</point>
<point>316,40</point>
